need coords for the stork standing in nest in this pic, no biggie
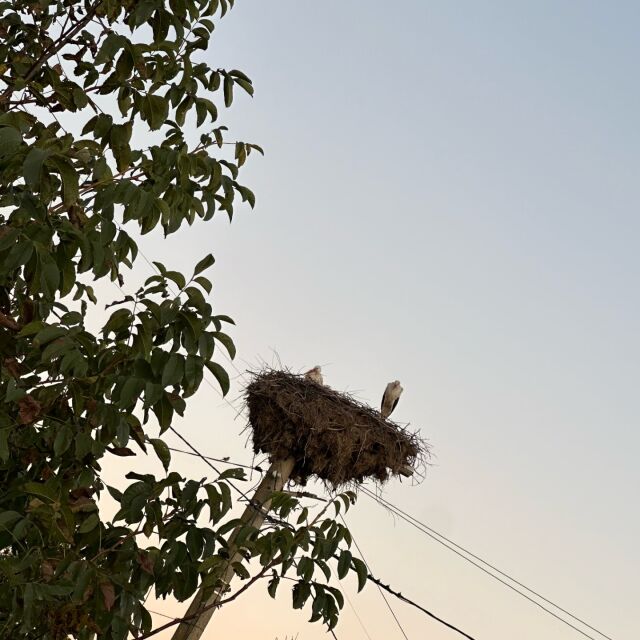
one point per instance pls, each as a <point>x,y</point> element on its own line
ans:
<point>315,374</point>
<point>390,398</point>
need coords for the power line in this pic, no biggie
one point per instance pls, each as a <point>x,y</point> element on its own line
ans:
<point>206,459</point>
<point>398,595</point>
<point>364,628</point>
<point>370,577</point>
<point>444,542</point>
<point>393,613</point>
<point>220,460</point>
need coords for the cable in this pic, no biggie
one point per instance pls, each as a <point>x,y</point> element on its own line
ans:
<point>424,529</point>
<point>506,575</point>
<point>206,460</point>
<point>221,460</point>
<point>488,564</point>
<point>346,595</point>
<point>372,578</point>
<point>398,595</point>
<point>195,451</point>
<point>393,613</point>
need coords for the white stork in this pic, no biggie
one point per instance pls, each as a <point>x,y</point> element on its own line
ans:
<point>315,375</point>
<point>390,398</point>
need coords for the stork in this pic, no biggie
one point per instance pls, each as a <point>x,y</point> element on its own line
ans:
<point>315,375</point>
<point>390,398</point>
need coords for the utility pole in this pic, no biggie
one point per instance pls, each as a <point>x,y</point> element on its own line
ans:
<point>253,516</point>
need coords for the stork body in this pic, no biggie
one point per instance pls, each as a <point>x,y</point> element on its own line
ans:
<point>315,375</point>
<point>390,398</point>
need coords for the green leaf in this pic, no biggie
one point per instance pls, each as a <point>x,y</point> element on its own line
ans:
<point>305,568</point>
<point>89,524</point>
<point>48,334</point>
<point>273,585</point>
<point>130,391</point>
<point>205,263</point>
<point>10,140</point>
<point>20,254</point>
<point>227,342</point>
<point>49,274</point>
<point>5,454</point>
<point>361,570</point>
<point>221,376</point>
<point>63,440</point>
<point>236,473</point>
<point>7,517</point>
<point>32,167</point>
<point>204,283</point>
<point>344,563</point>
<point>228,90</point>
<point>156,110</point>
<point>177,277</point>
<point>162,451</point>
<point>173,370</point>
<point>40,489</point>
<point>10,236</point>
<point>301,592</point>
<point>241,570</point>
<point>163,412</point>
<point>69,178</point>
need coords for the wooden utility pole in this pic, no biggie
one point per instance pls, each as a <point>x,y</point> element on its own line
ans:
<point>253,516</point>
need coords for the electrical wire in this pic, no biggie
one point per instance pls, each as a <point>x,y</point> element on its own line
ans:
<point>445,542</point>
<point>432,533</point>
<point>398,595</point>
<point>380,585</point>
<point>364,628</point>
<point>220,460</point>
<point>393,613</point>
<point>206,459</point>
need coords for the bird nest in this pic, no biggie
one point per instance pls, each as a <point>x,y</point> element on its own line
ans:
<point>329,434</point>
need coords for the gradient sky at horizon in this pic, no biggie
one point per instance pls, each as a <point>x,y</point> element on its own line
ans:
<point>449,197</point>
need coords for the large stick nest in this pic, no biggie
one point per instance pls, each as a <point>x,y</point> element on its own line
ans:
<point>329,434</point>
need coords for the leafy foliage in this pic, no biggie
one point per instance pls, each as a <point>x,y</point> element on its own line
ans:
<point>82,83</point>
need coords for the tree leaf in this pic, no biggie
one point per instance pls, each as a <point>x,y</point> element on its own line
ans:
<point>10,140</point>
<point>228,90</point>
<point>220,374</point>
<point>361,570</point>
<point>156,110</point>
<point>205,263</point>
<point>227,342</point>
<point>49,274</point>
<point>173,371</point>
<point>344,563</point>
<point>89,524</point>
<point>32,167</point>
<point>69,178</point>
<point>63,440</point>
<point>164,413</point>
<point>162,451</point>
<point>108,595</point>
<point>273,585</point>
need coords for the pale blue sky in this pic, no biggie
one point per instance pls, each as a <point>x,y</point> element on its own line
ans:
<point>450,197</point>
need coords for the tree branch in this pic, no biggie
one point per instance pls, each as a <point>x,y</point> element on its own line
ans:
<point>9,322</point>
<point>52,50</point>
<point>260,574</point>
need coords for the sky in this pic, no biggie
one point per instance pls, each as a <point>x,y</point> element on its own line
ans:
<point>449,197</point>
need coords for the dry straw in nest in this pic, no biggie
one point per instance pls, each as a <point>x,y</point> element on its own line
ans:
<point>329,434</point>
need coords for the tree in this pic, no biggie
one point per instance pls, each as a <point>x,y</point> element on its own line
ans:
<point>82,82</point>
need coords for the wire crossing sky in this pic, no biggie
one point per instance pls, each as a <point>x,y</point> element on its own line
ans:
<point>449,197</point>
